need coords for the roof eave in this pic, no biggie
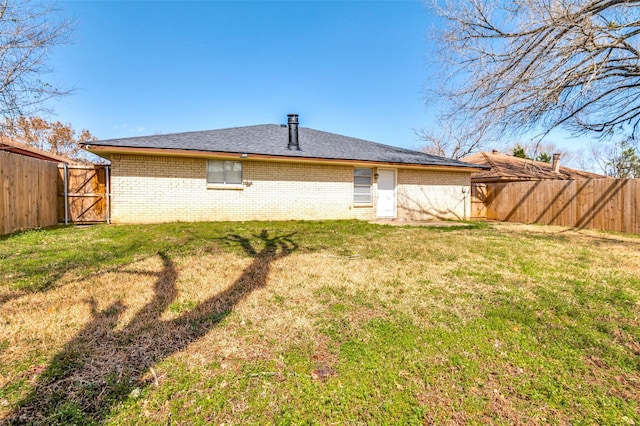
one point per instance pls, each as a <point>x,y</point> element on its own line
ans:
<point>106,152</point>
<point>33,153</point>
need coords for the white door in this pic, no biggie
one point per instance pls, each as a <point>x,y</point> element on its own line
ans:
<point>386,202</point>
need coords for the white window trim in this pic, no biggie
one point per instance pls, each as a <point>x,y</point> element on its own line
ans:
<point>225,186</point>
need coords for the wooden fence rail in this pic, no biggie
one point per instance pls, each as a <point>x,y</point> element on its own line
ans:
<point>606,204</point>
<point>27,193</point>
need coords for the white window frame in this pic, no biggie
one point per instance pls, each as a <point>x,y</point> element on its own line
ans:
<point>224,184</point>
<point>361,185</point>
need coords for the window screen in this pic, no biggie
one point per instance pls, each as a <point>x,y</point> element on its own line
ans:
<point>224,172</point>
<point>362,186</point>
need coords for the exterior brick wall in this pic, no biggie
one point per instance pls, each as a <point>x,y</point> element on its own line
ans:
<point>164,189</point>
<point>427,195</point>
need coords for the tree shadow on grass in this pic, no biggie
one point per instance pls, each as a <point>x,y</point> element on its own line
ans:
<point>102,365</point>
<point>52,279</point>
<point>41,266</point>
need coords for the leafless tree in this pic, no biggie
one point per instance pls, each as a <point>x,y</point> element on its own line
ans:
<point>453,140</point>
<point>28,32</point>
<point>536,65</point>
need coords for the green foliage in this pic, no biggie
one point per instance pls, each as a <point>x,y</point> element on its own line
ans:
<point>545,157</point>
<point>624,160</point>
<point>519,151</point>
<point>182,306</point>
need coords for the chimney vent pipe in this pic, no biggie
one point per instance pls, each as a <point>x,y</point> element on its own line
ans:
<point>556,163</point>
<point>293,132</point>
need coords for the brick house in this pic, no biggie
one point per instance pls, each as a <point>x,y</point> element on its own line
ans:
<point>278,172</point>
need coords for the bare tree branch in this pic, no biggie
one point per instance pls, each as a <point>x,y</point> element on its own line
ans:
<point>28,32</point>
<point>453,140</point>
<point>525,65</point>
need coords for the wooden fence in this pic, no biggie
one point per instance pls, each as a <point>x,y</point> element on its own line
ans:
<point>86,195</point>
<point>27,193</point>
<point>33,195</point>
<point>606,204</point>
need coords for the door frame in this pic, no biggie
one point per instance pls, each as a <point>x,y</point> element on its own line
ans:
<point>395,193</point>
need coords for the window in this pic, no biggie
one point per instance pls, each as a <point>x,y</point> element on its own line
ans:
<point>224,172</point>
<point>362,186</point>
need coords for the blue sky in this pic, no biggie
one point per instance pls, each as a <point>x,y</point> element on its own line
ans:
<point>356,68</point>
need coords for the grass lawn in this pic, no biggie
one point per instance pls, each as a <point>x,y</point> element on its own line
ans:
<point>319,323</point>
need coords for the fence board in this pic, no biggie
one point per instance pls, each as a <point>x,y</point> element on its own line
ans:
<point>607,204</point>
<point>27,193</point>
<point>478,201</point>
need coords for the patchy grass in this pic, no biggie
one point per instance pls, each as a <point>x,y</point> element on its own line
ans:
<point>319,322</point>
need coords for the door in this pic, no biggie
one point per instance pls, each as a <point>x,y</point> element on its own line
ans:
<point>386,196</point>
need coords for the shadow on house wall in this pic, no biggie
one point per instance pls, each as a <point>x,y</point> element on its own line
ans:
<point>426,204</point>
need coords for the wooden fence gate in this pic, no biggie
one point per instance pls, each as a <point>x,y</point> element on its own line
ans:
<point>478,201</point>
<point>83,193</point>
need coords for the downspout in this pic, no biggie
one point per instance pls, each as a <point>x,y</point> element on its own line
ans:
<point>108,194</point>
<point>66,193</point>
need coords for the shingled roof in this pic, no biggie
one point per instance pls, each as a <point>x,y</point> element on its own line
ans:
<point>507,168</point>
<point>272,140</point>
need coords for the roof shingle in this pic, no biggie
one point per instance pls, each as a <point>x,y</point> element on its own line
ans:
<point>272,140</point>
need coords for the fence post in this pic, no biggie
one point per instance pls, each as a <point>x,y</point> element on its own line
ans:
<point>107,190</point>
<point>66,194</point>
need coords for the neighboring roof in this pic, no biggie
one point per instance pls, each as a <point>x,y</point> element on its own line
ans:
<point>507,168</point>
<point>272,140</point>
<point>9,145</point>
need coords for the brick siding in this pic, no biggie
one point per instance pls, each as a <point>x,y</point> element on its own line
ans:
<point>164,189</point>
<point>427,195</point>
